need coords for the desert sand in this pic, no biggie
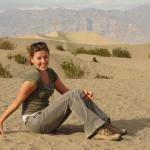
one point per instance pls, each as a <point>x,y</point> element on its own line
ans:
<point>125,97</point>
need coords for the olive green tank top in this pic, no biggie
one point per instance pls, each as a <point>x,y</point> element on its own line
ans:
<point>38,99</point>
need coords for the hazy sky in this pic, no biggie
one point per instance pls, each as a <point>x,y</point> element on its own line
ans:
<point>75,4</point>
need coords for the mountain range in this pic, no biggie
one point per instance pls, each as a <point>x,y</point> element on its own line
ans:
<point>131,26</point>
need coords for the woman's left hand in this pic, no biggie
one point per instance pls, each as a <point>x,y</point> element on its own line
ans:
<point>88,94</point>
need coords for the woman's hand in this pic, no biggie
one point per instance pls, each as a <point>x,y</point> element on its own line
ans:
<point>88,94</point>
<point>1,127</point>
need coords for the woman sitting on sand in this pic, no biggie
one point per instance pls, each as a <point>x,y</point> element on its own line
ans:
<point>42,117</point>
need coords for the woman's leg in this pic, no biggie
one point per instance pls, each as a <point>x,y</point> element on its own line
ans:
<point>50,118</point>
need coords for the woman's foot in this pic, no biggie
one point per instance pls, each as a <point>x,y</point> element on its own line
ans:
<point>117,130</point>
<point>106,133</point>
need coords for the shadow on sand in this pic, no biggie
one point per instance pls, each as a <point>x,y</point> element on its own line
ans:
<point>16,131</point>
<point>133,126</point>
<point>69,129</point>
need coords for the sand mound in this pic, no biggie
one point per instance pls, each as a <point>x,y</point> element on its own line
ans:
<point>58,36</point>
<point>33,36</point>
<point>83,37</point>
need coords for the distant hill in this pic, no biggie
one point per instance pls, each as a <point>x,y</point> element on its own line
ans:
<point>130,26</point>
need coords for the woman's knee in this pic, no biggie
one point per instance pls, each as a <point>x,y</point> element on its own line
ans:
<point>77,91</point>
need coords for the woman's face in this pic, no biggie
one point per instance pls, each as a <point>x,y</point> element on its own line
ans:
<point>40,60</point>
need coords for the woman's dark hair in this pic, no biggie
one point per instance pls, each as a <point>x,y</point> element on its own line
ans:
<point>35,47</point>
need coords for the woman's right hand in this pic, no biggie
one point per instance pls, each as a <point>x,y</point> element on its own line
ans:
<point>1,127</point>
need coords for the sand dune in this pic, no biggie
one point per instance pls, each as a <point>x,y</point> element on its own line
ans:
<point>58,36</point>
<point>33,36</point>
<point>73,40</point>
<point>83,37</point>
<point>125,96</point>
<point>74,37</point>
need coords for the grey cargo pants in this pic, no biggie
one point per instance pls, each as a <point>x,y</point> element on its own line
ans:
<point>50,118</point>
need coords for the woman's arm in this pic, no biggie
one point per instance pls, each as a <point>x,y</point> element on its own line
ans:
<point>26,89</point>
<point>60,87</point>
